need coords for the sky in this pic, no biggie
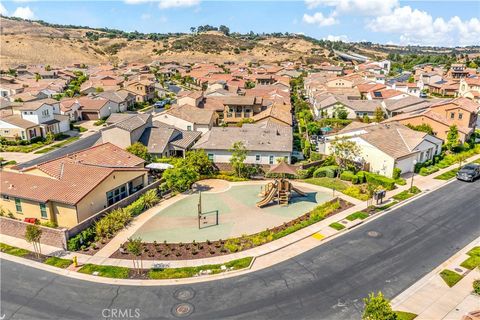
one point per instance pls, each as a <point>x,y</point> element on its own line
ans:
<point>435,23</point>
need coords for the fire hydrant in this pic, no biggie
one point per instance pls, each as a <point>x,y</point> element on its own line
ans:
<point>75,261</point>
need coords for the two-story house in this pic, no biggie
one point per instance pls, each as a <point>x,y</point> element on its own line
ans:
<point>239,108</point>
<point>144,90</point>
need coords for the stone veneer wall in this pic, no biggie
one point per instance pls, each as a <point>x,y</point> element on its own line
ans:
<point>50,236</point>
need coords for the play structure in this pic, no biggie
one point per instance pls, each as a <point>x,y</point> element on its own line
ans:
<point>280,190</point>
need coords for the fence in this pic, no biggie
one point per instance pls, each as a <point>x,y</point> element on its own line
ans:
<point>50,236</point>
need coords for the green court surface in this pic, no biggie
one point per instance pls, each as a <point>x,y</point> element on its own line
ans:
<point>237,215</point>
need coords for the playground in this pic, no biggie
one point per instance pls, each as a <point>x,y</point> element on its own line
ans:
<point>230,209</point>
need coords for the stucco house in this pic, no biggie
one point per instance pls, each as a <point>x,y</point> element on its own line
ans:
<point>126,130</point>
<point>265,146</point>
<point>188,117</point>
<point>387,146</point>
<point>71,189</point>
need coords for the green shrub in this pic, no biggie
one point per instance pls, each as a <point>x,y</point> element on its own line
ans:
<point>348,176</point>
<point>356,192</point>
<point>396,173</point>
<point>328,171</point>
<point>425,171</point>
<point>83,238</point>
<point>476,286</point>
<point>361,177</point>
<point>379,180</point>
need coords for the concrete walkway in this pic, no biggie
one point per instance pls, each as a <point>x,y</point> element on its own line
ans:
<point>265,255</point>
<point>431,298</point>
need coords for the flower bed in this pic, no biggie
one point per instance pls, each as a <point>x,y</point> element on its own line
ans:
<point>199,250</point>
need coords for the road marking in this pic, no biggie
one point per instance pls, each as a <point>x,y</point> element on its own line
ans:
<point>318,236</point>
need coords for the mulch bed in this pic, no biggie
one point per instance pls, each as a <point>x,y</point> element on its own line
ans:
<point>200,250</point>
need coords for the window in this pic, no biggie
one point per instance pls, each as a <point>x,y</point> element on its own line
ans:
<point>452,115</point>
<point>115,195</point>
<point>189,128</point>
<point>270,159</point>
<point>5,197</point>
<point>210,156</point>
<point>43,211</point>
<point>18,205</point>
<point>460,116</point>
<point>257,157</point>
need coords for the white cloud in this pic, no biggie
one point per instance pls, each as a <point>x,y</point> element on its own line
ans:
<point>24,13</point>
<point>418,27</point>
<point>166,4</point>
<point>356,7</point>
<point>319,19</point>
<point>3,10</point>
<point>342,37</point>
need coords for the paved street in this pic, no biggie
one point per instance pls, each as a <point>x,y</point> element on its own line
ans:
<point>328,282</point>
<point>73,147</point>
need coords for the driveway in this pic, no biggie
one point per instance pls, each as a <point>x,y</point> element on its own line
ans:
<point>328,282</point>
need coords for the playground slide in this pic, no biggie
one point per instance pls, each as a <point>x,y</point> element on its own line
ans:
<point>301,193</point>
<point>268,198</point>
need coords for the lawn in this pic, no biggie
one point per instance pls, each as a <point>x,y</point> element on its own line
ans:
<point>58,262</point>
<point>450,277</point>
<point>474,260</point>
<point>106,271</point>
<point>187,272</point>
<point>404,195</point>
<point>337,226</point>
<point>58,145</point>
<point>402,315</point>
<point>357,215</point>
<point>13,250</point>
<point>447,175</point>
<point>339,185</point>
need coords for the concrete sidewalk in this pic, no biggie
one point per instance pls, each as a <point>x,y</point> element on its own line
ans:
<point>431,298</point>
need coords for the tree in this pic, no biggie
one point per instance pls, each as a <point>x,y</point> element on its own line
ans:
<point>33,233</point>
<point>346,152</point>
<point>424,127</point>
<point>193,29</point>
<point>239,154</point>
<point>135,248</point>
<point>99,89</point>
<point>198,160</point>
<point>313,128</point>
<point>224,29</point>
<point>366,119</point>
<point>379,115</point>
<point>452,138</point>
<point>180,178</point>
<point>341,113</point>
<point>37,77</point>
<point>378,308</point>
<point>139,150</point>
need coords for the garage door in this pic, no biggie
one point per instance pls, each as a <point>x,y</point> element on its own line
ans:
<point>89,115</point>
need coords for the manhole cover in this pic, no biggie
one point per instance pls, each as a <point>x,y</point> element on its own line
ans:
<point>374,234</point>
<point>184,294</point>
<point>458,270</point>
<point>182,310</point>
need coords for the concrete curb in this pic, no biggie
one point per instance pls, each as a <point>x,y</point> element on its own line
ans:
<point>76,275</point>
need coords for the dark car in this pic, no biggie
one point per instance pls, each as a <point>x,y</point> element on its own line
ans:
<point>469,172</point>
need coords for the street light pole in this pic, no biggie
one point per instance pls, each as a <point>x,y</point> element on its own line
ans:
<point>413,174</point>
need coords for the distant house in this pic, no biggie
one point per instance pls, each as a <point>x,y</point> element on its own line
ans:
<point>70,189</point>
<point>126,131</point>
<point>441,115</point>
<point>239,108</point>
<point>265,146</point>
<point>122,99</point>
<point>94,108</point>
<point>387,146</point>
<point>34,119</point>
<point>190,118</point>
<point>327,105</point>
<point>144,90</point>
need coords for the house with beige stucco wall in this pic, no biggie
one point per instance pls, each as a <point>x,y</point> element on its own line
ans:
<point>70,189</point>
<point>384,147</point>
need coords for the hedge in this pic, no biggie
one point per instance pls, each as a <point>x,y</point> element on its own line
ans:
<point>376,179</point>
<point>328,171</point>
<point>349,176</point>
<point>425,171</point>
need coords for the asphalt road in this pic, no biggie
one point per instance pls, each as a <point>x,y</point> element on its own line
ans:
<point>72,147</point>
<point>327,282</point>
